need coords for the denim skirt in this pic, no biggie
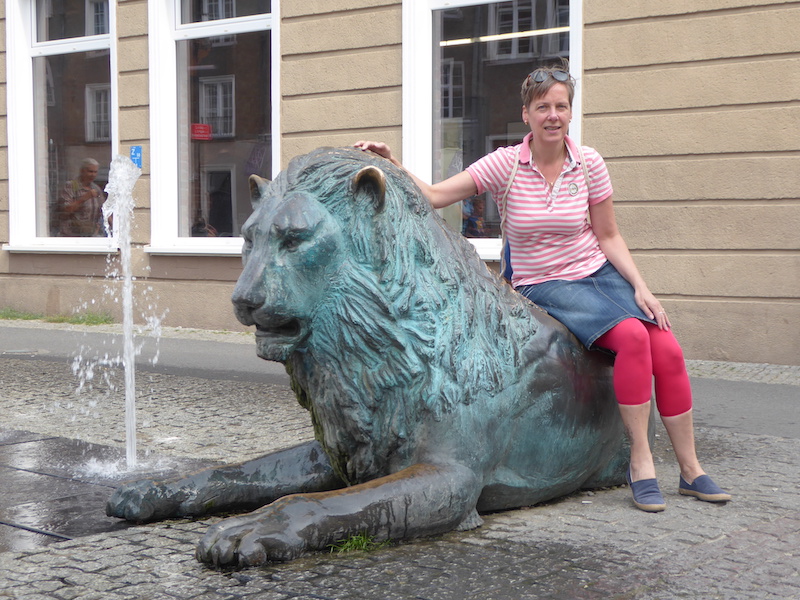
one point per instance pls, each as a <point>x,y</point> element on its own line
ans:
<point>590,306</point>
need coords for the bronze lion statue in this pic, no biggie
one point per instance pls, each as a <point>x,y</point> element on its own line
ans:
<point>435,390</point>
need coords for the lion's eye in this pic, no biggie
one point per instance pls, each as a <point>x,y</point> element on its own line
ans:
<point>293,239</point>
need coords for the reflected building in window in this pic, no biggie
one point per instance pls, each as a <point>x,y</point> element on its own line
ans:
<point>480,52</point>
<point>72,107</point>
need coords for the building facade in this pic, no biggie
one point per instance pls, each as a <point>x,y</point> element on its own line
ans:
<point>696,110</point>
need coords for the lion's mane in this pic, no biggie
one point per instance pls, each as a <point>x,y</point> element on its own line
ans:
<point>416,323</point>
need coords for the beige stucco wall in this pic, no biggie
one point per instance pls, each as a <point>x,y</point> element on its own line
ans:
<point>694,108</point>
<point>696,114</point>
<point>340,74</point>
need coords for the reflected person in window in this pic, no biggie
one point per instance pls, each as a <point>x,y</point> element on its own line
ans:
<point>580,270</point>
<point>80,204</point>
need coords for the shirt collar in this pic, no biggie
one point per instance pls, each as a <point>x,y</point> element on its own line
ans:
<point>525,151</point>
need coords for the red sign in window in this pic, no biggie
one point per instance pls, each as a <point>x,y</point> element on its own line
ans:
<point>201,131</point>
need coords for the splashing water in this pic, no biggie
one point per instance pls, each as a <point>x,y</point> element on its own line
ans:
<point>119,207</point>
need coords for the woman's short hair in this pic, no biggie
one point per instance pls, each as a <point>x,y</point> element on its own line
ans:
<point>540,80</point>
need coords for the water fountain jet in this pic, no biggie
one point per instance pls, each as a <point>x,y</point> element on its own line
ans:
<point>119,207</point>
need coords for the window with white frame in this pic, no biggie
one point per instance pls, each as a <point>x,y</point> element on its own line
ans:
<point>507,19</point>
<point>98,112</point>
<point>498,44</point>
<point>219,99</point>
<point>193,11</point>
<point>96,17</point>
<point>60,120</point>
<point>217,107</point>
<point>452,89</point>
<point>218,9</point>
<point>66,19</point>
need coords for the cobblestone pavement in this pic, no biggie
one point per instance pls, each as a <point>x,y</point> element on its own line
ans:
<point>590,545</point>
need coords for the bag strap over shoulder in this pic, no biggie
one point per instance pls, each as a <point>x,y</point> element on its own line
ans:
<point>583,164</point>
<point>504,254</point>
<point>510,180</point>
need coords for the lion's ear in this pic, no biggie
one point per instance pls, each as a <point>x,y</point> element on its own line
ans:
<point>371,181</point>
<point>258,187</point>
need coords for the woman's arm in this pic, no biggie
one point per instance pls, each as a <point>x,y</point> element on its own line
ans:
<point>447,192</point>
<point>604,225</point>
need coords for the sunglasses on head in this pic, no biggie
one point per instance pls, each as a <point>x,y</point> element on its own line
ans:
<point>539,75</point>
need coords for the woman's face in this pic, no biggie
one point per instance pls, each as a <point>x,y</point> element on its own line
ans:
<point>548,116</point>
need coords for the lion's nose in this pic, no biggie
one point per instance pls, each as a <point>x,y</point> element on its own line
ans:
<point>248,296</point>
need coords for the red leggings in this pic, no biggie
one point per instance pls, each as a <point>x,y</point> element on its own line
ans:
<point>644,351</point>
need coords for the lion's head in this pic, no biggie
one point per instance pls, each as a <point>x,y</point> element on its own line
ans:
<point>374,303</point>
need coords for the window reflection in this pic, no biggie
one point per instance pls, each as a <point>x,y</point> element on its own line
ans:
<point>224,121</point>
<point>481,55</point>
<point>72,142</point>
<point>61,19</point>
<point>196,11</point>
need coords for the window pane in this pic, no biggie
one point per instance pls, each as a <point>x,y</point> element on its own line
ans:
<point>72,124</point>
<point>477,107</point>
<point>61,19</point>
<point>224,120</point>
<point>194,11</point>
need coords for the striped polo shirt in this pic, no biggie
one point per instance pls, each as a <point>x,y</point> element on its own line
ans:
<point>548,232</point>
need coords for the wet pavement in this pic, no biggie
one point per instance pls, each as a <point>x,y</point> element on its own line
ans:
<point>55,488</point>
<point>61,453</point>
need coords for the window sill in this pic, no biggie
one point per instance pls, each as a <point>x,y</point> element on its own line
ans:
<point>187,248</point>
<point>62,248</point>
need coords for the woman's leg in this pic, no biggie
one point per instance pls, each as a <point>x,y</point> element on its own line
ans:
<point>674,398</point>
<point>633,381</point>
<point>644,351</point>
<point>636,419</point>
<point>681,433</point>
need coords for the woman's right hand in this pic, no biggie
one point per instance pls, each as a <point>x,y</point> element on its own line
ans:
<point>447,192</point>
<point>378,148</point>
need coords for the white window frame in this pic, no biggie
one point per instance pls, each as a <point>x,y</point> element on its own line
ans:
<point>217,82</point>
<point>220,6</point>
<point>92,90</point>
<point>418,109</point>
<point>91,13</point>
<point>494,26</point>
<point>165,31</point>
<point>225,40</point>
<point>21,49</point>
<point>454,91</point>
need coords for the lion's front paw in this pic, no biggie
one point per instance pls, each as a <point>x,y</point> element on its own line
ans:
<point>143,501</point>
<point>249,541</point>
